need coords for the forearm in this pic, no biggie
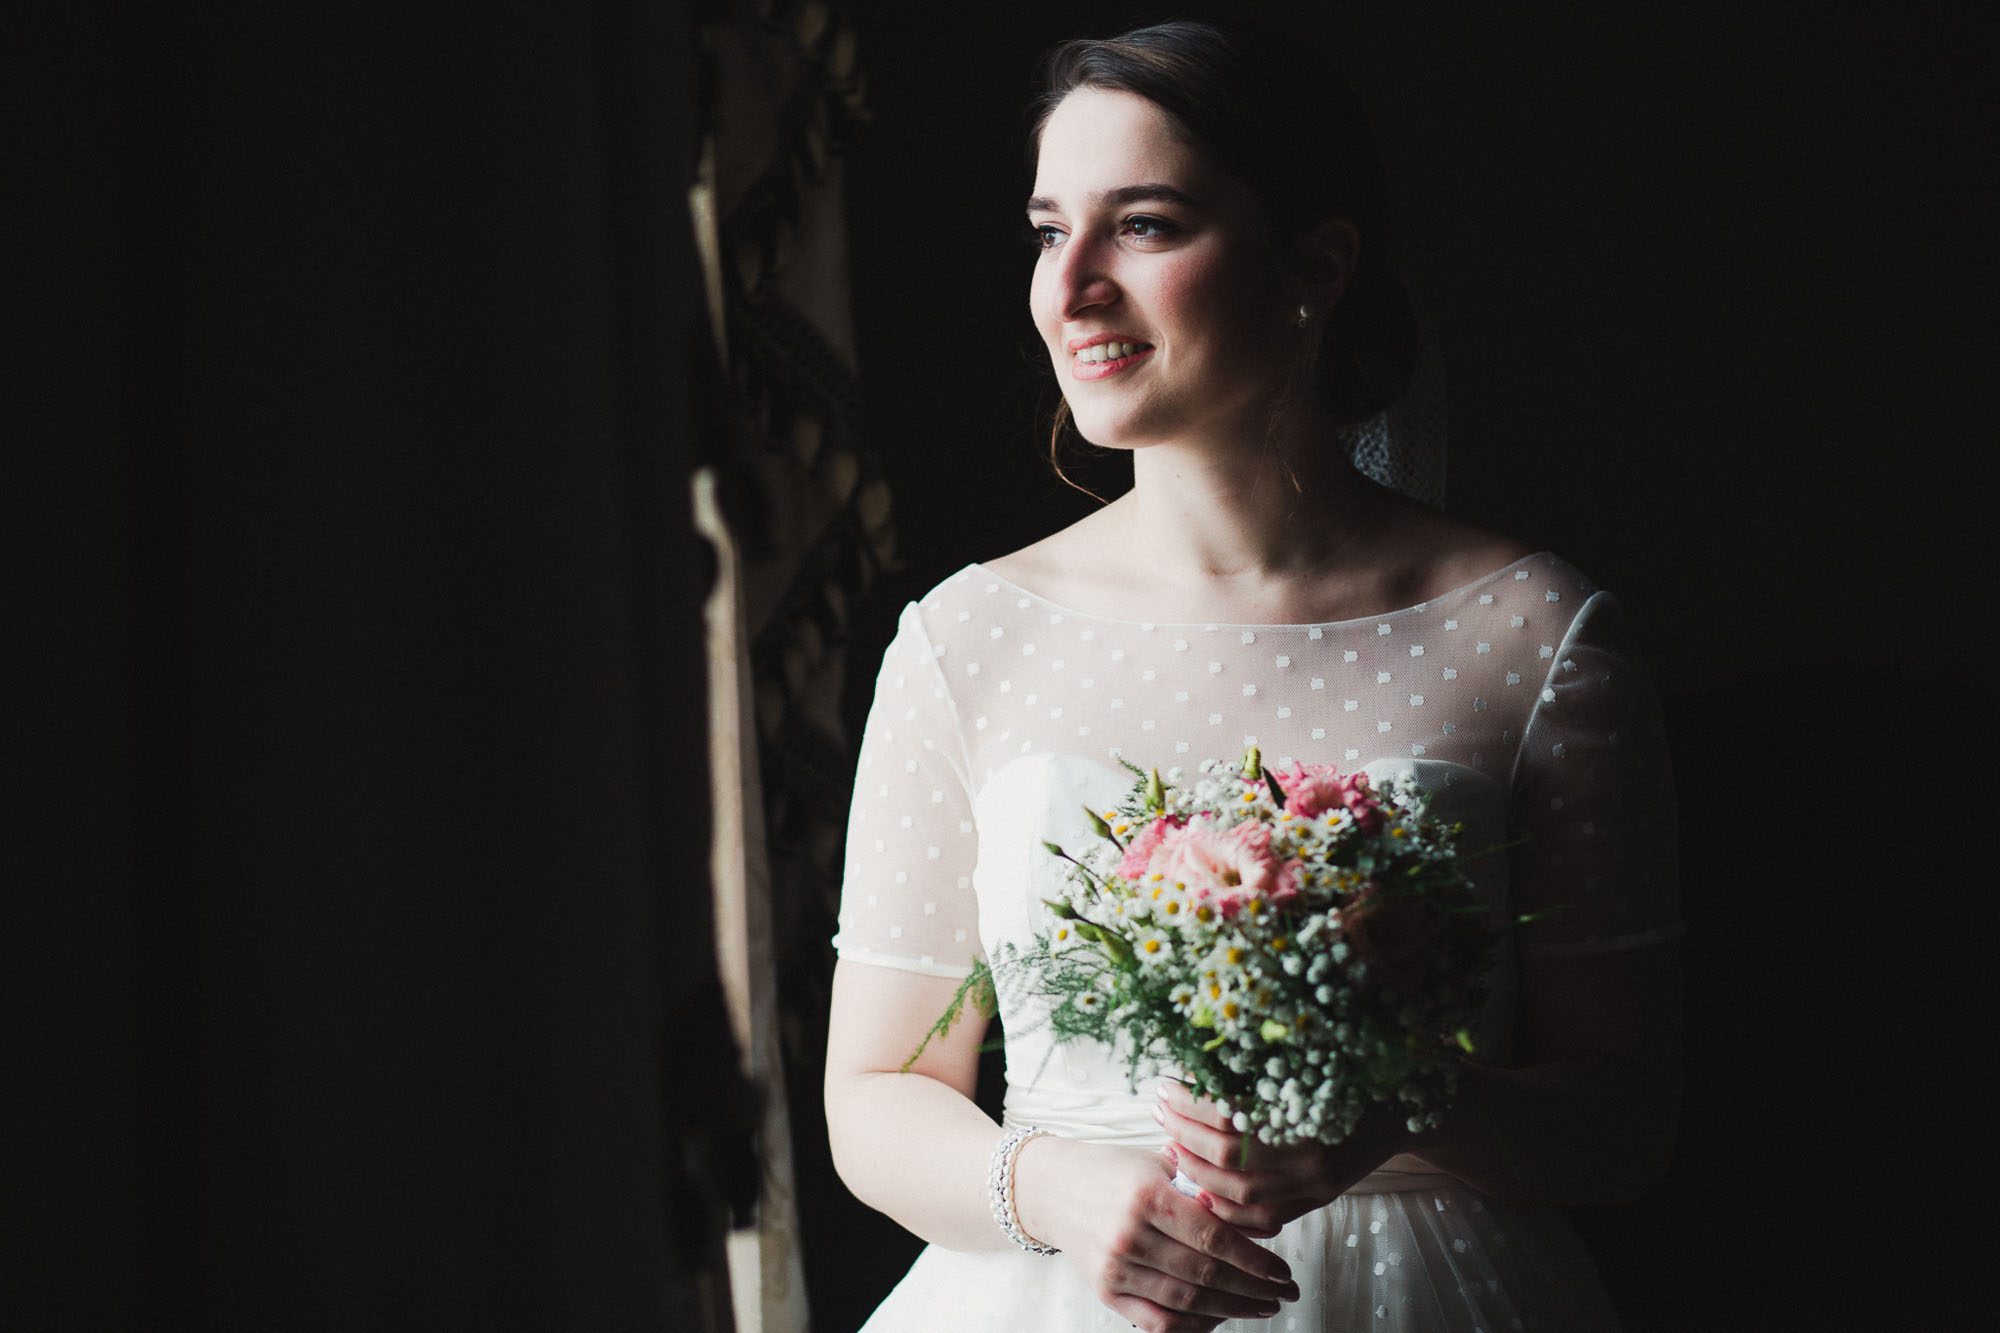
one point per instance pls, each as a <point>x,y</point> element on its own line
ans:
<point>917,1150</point>
<point>1587,1130</point>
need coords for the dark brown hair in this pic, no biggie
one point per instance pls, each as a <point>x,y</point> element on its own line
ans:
<point>1265,109</point>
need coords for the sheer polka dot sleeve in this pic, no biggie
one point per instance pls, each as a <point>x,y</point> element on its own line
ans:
<point>906,898</point>
<point>1593,799</point>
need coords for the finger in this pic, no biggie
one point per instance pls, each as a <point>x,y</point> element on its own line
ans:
<point>1245,1152</point>
<point>1142,1313</point>
<point>1182,1292</point>
<point>1206,1141</point>
<point>1206,1110</point>
<point>1181,1277</point>
<point>1191,1240</point>
<point>1259,1206</point>
<point>1264,1221</point>
<point>1238,1189</point>
<point>1170,1232</point>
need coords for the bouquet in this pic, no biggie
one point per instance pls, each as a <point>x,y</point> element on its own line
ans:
<point>1299,945</point>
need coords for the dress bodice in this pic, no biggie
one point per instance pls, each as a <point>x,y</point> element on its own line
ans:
<point>1523,680</point>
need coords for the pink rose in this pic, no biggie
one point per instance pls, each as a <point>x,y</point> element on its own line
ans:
<point>1313,789</point>
<point>1139,851</point>
<point>1227,868</point>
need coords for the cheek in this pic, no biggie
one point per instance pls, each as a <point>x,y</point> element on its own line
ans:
<point>1217,305</point>
<point>1181,297</point>
<point>1041,303</point>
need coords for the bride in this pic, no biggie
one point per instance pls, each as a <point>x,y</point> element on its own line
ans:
<point>1212,292</point>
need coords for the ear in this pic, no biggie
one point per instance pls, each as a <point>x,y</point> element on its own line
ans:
<point>1327,255</point>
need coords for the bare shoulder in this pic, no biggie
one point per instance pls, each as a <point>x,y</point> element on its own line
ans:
<point>1432,552</point>
<point>1473,554</point>
<point>1053,567</point>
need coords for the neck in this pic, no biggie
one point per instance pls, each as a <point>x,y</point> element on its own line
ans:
<point>1248,514</point>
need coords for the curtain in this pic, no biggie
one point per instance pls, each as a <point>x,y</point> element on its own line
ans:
<point>798,509</point>
<point>361,948</point>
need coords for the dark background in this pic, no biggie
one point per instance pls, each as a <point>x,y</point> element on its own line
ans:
<point>358,968</point>
<point>1709,287</point>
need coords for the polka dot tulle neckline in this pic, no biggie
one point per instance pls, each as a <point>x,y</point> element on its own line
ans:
<point>1517,566</point>
<point>997,711</point>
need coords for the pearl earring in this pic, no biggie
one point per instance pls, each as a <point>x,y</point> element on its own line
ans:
<point>1305,316</point>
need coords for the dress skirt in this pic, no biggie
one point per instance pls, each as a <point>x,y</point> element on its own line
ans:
<point>1444,1260</point>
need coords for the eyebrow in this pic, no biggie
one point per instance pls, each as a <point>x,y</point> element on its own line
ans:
<point>1154,192</point>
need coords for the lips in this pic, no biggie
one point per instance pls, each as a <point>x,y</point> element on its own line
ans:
<point>1109,336</point>
<point>1109,350</point>
<point>1105,354</point>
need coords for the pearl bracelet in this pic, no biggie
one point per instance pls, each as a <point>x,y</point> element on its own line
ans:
<point>1000,1188</point>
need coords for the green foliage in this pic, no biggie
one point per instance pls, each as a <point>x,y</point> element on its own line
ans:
<point>978,988</point>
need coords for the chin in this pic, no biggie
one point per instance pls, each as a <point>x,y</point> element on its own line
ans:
<point>1111,433</point>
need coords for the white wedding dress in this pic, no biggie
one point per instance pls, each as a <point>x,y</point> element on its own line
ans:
<point>1517,703</point>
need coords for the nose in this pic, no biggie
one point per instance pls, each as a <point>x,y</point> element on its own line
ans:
<point>1082,279</point>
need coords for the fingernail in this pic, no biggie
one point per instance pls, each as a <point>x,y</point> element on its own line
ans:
<point>1266,1311</point>
<point>1173,1156</point>
<point>1159,1116</point>
<point>1206,1200</point>
<point>1168,1086</point>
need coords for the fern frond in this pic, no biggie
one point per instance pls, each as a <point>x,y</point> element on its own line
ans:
<point>978,987</point>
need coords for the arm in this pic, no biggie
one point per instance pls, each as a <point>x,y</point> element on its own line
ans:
<point>913,1146</point>
<point>916,1147</point>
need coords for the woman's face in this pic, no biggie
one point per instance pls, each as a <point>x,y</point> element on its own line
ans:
<point>1164,312</point>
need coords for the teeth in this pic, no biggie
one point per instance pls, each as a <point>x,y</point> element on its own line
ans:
<point>1107,351</point>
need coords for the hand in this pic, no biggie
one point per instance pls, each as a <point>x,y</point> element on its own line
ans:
<point>1157,1257</point>
<point>1258,1188</point>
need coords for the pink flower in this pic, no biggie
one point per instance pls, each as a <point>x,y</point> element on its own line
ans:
<point>1139,851</point>
<point>1313,789</point>
<point>1228,867</point>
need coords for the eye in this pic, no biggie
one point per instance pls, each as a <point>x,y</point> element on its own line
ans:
<point>1042,236</point>
<point>1149,228</point>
